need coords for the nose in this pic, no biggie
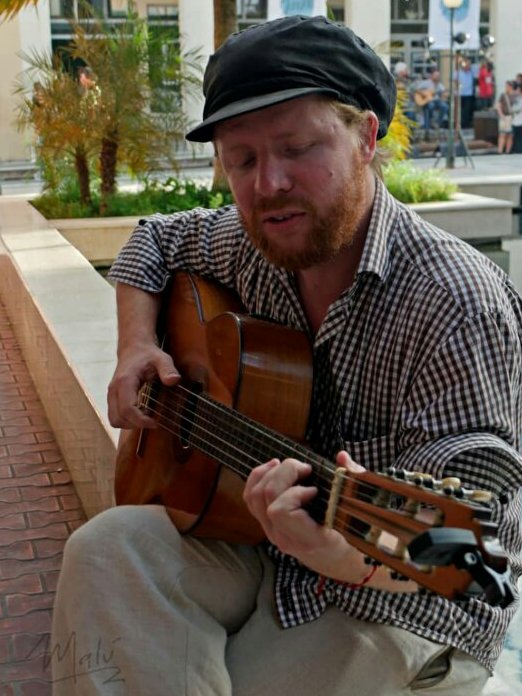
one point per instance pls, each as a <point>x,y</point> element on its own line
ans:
<point>272,176</point>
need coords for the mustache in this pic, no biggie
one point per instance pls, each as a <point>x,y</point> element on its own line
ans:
<point>263,205</point>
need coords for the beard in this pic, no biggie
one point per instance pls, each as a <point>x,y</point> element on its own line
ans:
<point>330,231</point>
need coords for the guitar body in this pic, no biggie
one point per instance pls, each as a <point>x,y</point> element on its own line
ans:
<point>259,369</point>
<point>423,97</point>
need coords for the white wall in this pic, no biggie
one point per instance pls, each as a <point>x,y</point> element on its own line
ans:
<point>506,27</point>
<point>196,20</point>
<point>371,20</point>
<point>29,31</point>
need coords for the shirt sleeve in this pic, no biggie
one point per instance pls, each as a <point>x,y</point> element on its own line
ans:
<point>211,243</point>
<point>462,416</point>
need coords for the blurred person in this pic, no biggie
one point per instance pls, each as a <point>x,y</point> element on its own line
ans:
<point>485,85</point>
<point>516,108</point>
<point>504,107</point>
<point>405,84</point>
<point>432,96</point>
<point>466,82</point>
<point>86,78</point>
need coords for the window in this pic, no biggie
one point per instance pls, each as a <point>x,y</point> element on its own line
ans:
<point>410,10</point>
<point>164,52</point>
<point>251,12</point>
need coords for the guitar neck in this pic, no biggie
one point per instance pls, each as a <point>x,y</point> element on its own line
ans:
<point>361,506</point>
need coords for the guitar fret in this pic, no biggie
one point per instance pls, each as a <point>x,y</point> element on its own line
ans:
<point>241,444</point>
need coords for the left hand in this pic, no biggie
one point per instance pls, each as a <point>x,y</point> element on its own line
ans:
<point>275,497</point>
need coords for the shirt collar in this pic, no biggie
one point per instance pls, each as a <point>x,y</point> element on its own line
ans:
<point>383,222</point>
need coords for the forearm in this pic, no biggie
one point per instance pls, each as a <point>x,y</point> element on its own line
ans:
<point>140,359</point>
<point>137,317</point>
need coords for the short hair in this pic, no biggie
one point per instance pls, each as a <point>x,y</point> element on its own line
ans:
<point>354,117</point>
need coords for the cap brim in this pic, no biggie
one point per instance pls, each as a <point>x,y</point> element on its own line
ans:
<point>203,133</point>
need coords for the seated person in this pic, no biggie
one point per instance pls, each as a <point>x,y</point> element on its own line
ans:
<point>431,95</point>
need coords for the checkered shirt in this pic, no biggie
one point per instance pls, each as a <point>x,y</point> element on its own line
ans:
<point>417,365</point>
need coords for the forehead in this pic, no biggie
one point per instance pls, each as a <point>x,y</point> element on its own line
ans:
<point>293,115</point>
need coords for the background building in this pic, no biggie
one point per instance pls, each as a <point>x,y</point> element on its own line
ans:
<point>398,29</point>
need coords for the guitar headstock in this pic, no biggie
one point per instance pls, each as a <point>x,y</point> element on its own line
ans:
<point>435,532</point>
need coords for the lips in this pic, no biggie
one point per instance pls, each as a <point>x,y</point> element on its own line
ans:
<point>279,217</point>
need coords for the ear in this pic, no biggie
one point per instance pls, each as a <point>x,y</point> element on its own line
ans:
<point>368,136</point>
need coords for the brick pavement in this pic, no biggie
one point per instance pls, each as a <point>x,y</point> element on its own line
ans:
<point>39,509</point>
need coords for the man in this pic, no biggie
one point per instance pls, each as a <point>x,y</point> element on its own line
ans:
<point>416,351</point>
<point>432,96</point>
<point>466,82</point>
<point>404,84</point>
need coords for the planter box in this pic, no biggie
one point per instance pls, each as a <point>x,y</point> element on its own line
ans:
<point>467,216</point>
<point>98,239</point>
<point>470,217</point>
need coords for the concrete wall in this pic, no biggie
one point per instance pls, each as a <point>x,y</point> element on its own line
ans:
<point>506,27</point>
<point>29,31</point>
<point>371,20</point>
<point>63,314</point>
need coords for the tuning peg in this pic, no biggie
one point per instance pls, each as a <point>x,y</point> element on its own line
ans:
<point>452,481</point>
<point>421,479</point>
<point>450,485</point>
<point>393,472</point>
<point>479,496</point>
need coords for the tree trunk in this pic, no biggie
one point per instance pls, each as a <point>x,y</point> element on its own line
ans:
<point>225,23</point>
<point>225,20</point>
<point>108,161</point>
<point>82,172</point>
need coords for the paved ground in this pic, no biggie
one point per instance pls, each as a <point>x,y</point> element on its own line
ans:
<point>38,511</point>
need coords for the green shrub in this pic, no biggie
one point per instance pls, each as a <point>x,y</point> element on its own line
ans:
<point>169,196</point>
<point>405,181</point>
<point>412,185</point>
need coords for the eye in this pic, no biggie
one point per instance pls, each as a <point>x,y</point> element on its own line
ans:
<point>297,150</point>
<point>242,163</point>
<point>246,162</point>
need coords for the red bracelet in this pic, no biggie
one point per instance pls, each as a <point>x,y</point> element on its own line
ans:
<point>356,585</point>
<point>350,585</point>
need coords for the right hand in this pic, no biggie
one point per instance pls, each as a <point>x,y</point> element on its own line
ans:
<point>136,365</point>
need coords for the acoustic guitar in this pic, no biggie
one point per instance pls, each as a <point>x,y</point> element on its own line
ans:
<point>423,96</point>
<point>243,399</point>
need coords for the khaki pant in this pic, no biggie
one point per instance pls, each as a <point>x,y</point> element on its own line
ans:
<point>141,611</point>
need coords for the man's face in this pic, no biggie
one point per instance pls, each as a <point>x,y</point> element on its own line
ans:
<point>299,178</point>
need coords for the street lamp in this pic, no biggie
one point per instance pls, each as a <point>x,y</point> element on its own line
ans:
<point>452,5</point>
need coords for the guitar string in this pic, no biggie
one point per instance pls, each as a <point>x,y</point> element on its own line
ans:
<point>403,562</point>
<point>319,498</point>
<point>349,527</point>
<point>239,461</point>
<point>308,454</point>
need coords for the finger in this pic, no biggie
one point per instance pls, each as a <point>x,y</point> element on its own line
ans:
<point>165,369</point>
<point>267,482</point>
<point>278,478</point>
<point>344,459</point>
<point>123,409</point>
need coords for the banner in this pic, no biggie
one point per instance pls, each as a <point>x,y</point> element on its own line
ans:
<point>465,19</point>
<point>286,8</point>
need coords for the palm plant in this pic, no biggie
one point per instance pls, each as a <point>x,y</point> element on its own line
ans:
<point>127,131</point>
<point>115,117</point>
<point>10,8</point>
<point>61,117</point>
